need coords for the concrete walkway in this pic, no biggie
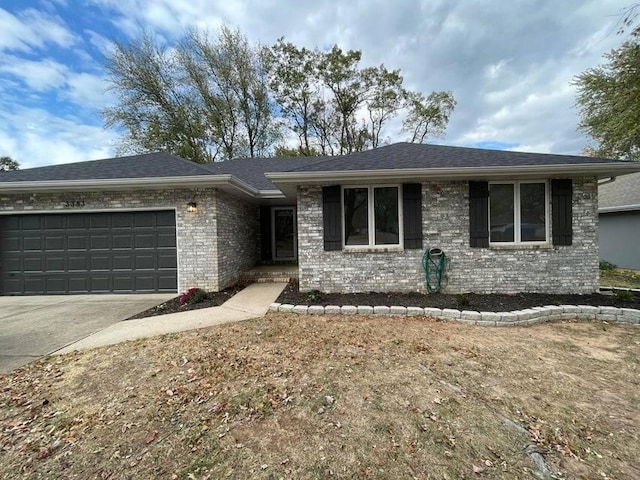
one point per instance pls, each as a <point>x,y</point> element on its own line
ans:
<point>251,302</point>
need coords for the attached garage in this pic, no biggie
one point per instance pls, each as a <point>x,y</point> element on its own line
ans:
<point>105,252</point>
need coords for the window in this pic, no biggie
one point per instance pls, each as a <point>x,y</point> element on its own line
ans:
<point>372,216</point>
<point>518,212</point>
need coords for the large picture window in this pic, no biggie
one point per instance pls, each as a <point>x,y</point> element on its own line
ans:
<point>371,216</point>
<point>518,212</point>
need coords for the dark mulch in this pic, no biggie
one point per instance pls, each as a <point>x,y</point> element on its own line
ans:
<point>214,299</point>
<point>470,301</point>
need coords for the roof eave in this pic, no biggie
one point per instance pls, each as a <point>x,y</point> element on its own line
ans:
<point>602,170</point>
<point>619,208</point>
<point>228,182</point>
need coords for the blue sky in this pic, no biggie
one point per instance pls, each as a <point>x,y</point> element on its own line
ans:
<point>509,64</point>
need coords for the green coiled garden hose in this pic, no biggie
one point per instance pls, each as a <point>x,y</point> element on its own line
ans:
<point>434,262</point>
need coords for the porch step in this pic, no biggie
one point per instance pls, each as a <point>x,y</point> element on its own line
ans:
<point>263,275</point>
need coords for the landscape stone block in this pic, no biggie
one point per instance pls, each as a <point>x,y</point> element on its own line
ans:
<point>415,311</point>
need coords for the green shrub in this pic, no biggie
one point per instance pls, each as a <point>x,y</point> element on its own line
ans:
<point>623,295</point>
<point>463,300</point>
<point>604,265</point>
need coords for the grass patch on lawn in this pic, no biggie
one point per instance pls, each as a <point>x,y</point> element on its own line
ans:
<point>332,397</point>
<point>619,277</point>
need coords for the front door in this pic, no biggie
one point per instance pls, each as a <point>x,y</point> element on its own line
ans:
<point>285,237</point>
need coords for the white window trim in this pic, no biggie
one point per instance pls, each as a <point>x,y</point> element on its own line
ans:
<point>371,219</point>
<point>516,219</point>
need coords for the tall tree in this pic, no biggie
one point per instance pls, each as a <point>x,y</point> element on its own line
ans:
<point>609,102</point>
<point>204,99</point>
<point>7,164</point>
<point>335,106</point>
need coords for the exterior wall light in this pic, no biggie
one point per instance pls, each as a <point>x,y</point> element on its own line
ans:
<point>192,207</point>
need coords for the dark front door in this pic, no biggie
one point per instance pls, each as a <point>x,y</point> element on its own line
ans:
<point>285,242</point>
<point>118,252</point>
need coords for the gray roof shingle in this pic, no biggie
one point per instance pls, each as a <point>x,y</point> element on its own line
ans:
<point>415,155</point>
<point>622,192</point>
<point>148,165</point>
<point>252,170</point>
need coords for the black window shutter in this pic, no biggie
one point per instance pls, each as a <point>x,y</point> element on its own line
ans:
<point>265,233</point>
<point>331,218</point>
<point>412,213</point>
<point>478,214</point>
<point>562,211</point>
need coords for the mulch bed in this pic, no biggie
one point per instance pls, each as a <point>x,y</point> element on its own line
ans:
<point>214,299</point>
<point>470,301</point>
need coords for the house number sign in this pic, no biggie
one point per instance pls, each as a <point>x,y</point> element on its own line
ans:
<point>73,204</point>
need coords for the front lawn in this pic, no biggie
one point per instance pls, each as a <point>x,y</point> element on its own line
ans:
<point>619,277</point>
<point>291,396</point>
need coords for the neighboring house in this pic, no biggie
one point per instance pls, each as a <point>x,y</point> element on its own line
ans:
<point>508,221</point>
<point>619,214</point>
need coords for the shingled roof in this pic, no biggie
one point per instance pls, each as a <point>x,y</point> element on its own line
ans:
<point>622,194</point>
<point>416,155</point>
<point>253,174</point>
<point>149,165</point>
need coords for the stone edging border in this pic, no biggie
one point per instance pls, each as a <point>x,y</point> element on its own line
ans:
<point>489,319</point>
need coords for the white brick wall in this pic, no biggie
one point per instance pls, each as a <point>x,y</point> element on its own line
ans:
<point>562,269</point>
<point>196,232</point>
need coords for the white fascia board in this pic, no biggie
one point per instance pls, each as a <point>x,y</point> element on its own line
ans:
<point>620,208</point>
<point>196,181</point>
<point>600,170</point>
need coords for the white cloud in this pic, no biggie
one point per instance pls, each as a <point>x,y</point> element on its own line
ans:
<point>39,75</point>
<point>33,29</point>
<point>40,138</point>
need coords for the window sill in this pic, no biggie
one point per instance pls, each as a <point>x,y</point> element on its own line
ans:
<point>368,249</point>
<point>521,246</point>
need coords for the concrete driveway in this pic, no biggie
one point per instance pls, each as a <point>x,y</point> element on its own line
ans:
<point>31,327</point>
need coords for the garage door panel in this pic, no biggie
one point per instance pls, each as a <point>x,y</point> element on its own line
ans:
<point>167,283</point>
<point>166,240</point>
<point>145,262</point>
<point>99,221</point>
<point>56,285</point>
<point>52,222</point>
<point>76,242</point>
<point>123,262</point>
<point>11,244</point>
<point>31,222</point>
<point>166,219</point>
<point>123,220</point>
<point>33,264</point>
<point>166,261</point>
<point>55,264</point>
<point>79,284</point>
<point>32,243</point>
<point>89,252</point>
<point>99,242</point>
<point>55,242</point>
<point>145,283</point>
<point>78,221</point>
<point>78,264</point>
<point>122,241</point>
<point>100,263</point>
<point>122,284</point>
<point>145,240</point>
<point>13,264</point>
<point>34,284</point>
<point>145,219</point>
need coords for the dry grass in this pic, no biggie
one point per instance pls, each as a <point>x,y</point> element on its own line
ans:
<point>331,397</point>
<point>619,277</point>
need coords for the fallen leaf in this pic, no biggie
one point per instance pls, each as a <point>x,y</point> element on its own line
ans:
<point>151,437</point>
